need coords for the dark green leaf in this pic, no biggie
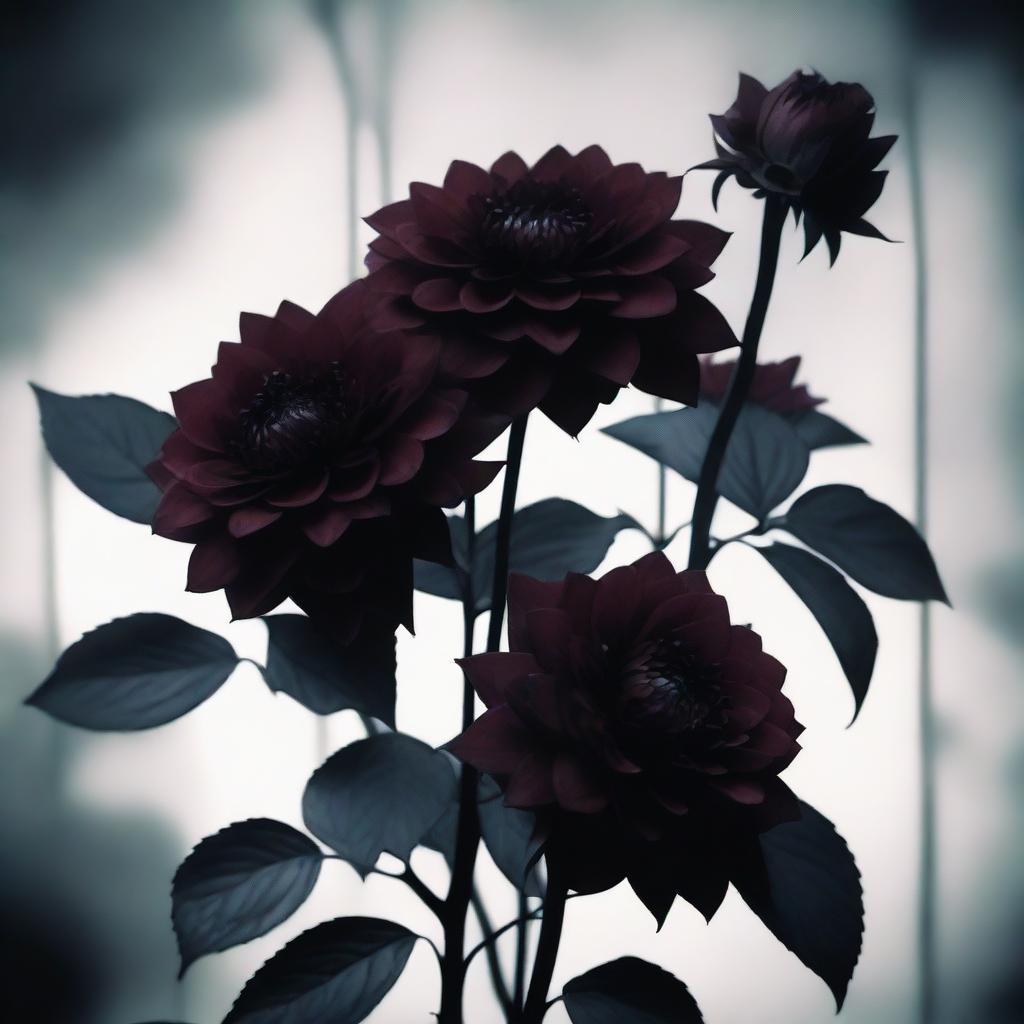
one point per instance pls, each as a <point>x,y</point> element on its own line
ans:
<point>840,612</point>
<point>806,889</point>
<point>238,884</point>
<point>549,539</point>
<point>869,541</point>
<point>305,662</point>
<point>629,991</point>
<point>103,443</point>
<point>765,461</point>
<point>335,973</point>
<point>821,431</point>
<point>509,836</point>
<point>135,673</point>
<point>378,795</point>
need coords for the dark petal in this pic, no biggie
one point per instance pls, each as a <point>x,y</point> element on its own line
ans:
<point>549,631</point>
<point>214,563</point>
<point>576,789</point>
<point>251,519</point>
<point>353,483</point>
<point>654,568</point>
<point>705,240</point>
<point>655,887</point>
<point>394,279</point>
<point>294,316</point>
<point>435,252</point>
<point>615,604</point>
<point>570,406</point>
<point>700,327</point>
<point>749,97</point>
<point>613,354</point>
<point>439,213</point>
<point>702,880</point>
<point>548,297</point>
<point>388,219</point>
<point>524,595</point>
<point>261,586</point>
<point>517,387</point>
<point>474,476</point>
<point>868,230</point>
<point>744,791</point>
<point>510,166</point>
<point>180,512</point>
<point>651,253</point>
<point>496,742</point>
<point>492,675</point>
<point>204,411</point>
<point>241,370</point>
<point>471,358</point>
<point>401,458</point>
<point>328,525</point>
<point>434,415</point>
<point>258,331</point>
<point>530,784</point>
<point>552,165</point>
<point>667,370</point>
<point>395,314</point>
<point>482,297</point>
<point>301,491</point>
<point>555,336</point>
<point>465,179</point>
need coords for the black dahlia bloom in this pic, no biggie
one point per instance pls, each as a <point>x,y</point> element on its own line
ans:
<point>772,387</point>
<point>553,285</point>
<point>807,140</point>
<point>314,463</point>
<point>645,730</point>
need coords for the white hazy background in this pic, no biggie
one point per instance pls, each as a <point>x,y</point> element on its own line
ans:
<point>262,213</point>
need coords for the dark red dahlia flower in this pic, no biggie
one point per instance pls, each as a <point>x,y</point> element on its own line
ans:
<point>553,285</point>
<point>314,463</point>
<point>807,141</point>
<point>645,730</point>
<point>772,385</point>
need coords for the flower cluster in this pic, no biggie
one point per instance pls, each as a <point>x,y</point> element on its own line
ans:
<point>554,285</point>
<point>645,729</point>
<point>806,142</point>
<point>314,463</point>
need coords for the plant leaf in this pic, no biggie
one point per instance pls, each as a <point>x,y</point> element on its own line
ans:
<point>764,463</point>
<point>377,795</point>
<point>629,991</point>
<point>806,888</point>
<point>818,430</point>
<point>135,673</point>
<point>239,884</point>
<point>305,662</point>
<point>335,973</point>
<point>509,836</point>
<point>549,539</point>
<point>104,443</point>
<point>869,541</point>
<point>838,608</point>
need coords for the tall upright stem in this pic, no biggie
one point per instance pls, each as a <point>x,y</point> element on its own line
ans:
<point>662,485</point>
<point>547,948</point>
<point>739,386</point>
<point>926,711</point>
<point>467,841</point>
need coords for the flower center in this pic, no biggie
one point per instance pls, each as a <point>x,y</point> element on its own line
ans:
<point>668,691</point>
<point>535,223</point>
<point>293,421</point>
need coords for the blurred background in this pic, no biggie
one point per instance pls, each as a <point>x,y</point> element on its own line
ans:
<point>168,164</point>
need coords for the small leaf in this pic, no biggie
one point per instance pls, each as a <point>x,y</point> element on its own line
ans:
<point>335,973</point>
<point>104,443</point>
<point>629,991</point>
<point>818,430</point>
<point>806,889</point>
<point>869,541</point>
<point>443,580</point>
<point>305,662</point>
<point>509,836</point>
<point>135,673</point>
<point>239,884</point>
<point>839,609</point>
<point>765,461</point>
<point>549,539</point>
<point>378,795</point>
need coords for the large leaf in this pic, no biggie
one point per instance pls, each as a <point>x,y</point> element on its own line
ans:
<point>629,991</point>
<point>103,443</point>
<point>135,673</point>
<point>869,541</point>
<point>806,889</point>
<point>821,431</point>
<point>839,609</point>
<point>509,836</point>
<point>378,795</point>
<point>305,662</point>
<point>335,973</point>
<point>765,461</point>
<point>549,539</point>
<point>238,884</point>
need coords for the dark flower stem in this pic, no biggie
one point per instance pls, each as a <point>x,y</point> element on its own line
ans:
<point>467,841</point>
<point>659,533</point>
<point>522,938</point>
<point>739,386</point>
<point>547,948</point>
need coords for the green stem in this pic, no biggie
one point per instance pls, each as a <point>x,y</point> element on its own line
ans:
<point>467,841</point>
<point>739,386</point>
